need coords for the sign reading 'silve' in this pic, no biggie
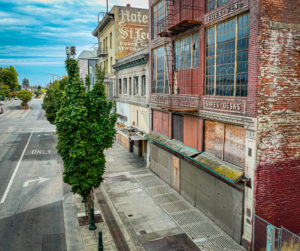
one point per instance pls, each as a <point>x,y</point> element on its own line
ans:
<point>132,30</point>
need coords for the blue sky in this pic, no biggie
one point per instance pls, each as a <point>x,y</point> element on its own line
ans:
<point>34,33</point>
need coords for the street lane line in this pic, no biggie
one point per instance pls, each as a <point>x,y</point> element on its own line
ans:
<point>15,171</point>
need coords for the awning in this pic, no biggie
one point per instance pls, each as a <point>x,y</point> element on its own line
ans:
<point>212,165</point>
<point>220,167</point>
<point>174,145</point>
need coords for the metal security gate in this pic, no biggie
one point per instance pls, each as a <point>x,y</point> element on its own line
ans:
<point>267,237</point>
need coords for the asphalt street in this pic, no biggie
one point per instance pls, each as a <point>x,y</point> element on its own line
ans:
<point>31,186</point>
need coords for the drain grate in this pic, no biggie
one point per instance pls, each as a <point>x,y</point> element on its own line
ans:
<point>201,230</point>
<point>158,190</point>
<point>176,207</point>
<point>187,218</point>
<point>220,243</point>
<point>166,198</point>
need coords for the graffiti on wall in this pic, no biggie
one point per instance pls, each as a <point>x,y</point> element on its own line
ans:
<point>132,30</point>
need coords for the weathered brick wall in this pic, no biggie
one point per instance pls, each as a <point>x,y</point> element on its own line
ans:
<point>277,189</point>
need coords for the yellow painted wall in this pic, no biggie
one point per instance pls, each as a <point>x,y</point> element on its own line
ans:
<point>139,117</point>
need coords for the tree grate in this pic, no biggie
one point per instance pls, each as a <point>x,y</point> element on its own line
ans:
<point>220,243</point>
<point>187,218</point>
<point>154,191</point>
<point>201,230</point>
<point>167,198</point>
<point>176,207</point>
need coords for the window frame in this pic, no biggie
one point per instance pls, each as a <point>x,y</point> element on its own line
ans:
<point>216,4</point>
<point>125,89</point>
<point>136,85</point>
<point>178,60</point>
<point>154,16</point>
<point>165,69</point>
<point>120,86</point>
<point>144,87</point>
<point>215,59</point>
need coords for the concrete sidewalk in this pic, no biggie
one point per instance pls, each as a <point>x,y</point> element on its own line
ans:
<point>141,212</point>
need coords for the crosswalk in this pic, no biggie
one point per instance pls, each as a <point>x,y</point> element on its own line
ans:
<point>14,114</point>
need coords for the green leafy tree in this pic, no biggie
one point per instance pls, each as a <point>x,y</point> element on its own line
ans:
<point>52,100</point>
<point>4,91</point>
<point>85,126</point>
<point>25,96</point>
<point>9,77</point>
<point>25,82</point>
<point>88,82</point>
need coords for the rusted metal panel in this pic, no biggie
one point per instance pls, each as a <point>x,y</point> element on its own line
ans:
<point>214,138</point>
<point>191,131</point>
<point>177,127</point>
<point>234,149</point>
<point>161,122</point>
<point>176,174</point>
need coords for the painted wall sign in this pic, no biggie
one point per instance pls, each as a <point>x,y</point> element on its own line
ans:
<point>132,30</point>
<point>225,11</point>
<point>180,102</point>
<point>224,105</point>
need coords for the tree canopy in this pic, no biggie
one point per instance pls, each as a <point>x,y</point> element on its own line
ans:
<point>9,77</point>
<point>52,100</point>
<point>25,96</point>
<point>85,126</point>
<point>25,82</point>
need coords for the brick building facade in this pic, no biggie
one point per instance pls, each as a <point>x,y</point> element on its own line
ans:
<point>225,108</point>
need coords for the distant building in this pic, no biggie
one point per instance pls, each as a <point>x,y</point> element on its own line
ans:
<point>122,31</point>
<point>87,63</point>
<point>133,101</point>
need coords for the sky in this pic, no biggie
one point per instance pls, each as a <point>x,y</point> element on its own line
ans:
<point>35,33</point>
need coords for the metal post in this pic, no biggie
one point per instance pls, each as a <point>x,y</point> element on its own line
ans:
<point>100,244</point>
<point>92,220</point>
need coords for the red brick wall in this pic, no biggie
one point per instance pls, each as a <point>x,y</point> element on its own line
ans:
<point>277,191</point>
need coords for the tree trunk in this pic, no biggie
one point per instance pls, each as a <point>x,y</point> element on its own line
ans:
<point>89,204</point>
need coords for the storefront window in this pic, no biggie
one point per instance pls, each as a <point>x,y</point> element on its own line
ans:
<point>227,57</point>
<point>186,52</point>
<point>160,70</point>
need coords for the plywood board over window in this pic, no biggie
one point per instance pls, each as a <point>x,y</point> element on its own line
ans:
<point>225,141</point>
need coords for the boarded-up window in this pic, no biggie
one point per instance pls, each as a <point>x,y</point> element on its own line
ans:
<point>160,122</point>
<point>177,127</point>
<point>225,141</point>
<point>193,132</point>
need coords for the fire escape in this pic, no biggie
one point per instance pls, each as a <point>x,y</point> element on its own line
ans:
<point>182,15</point>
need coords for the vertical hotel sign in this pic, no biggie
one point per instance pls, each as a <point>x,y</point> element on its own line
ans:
<point>131,30</point>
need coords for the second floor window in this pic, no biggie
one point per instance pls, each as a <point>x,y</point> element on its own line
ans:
<point>160,80</point>
<point>143,85</point>
<point>120,86</point>
<point>186,52</point>
<point>159,14</point>
<point>130,86</point>
<point>227,46</point>
<point>213,4</point>
<point>135,85</point>
<point>125,85</point>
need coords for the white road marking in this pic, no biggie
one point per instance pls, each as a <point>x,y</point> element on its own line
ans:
<point>15,171</point>
<point>40,180</point>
